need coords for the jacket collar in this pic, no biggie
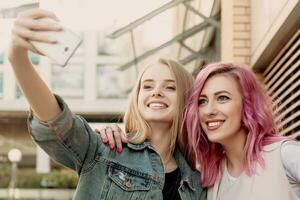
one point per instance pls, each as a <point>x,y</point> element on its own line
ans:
<point>141,146</point>
<point>185,170</point>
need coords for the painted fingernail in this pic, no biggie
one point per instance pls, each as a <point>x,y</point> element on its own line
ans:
<point>105,140</point>
<point>119,149</point>
<point>111,146</point>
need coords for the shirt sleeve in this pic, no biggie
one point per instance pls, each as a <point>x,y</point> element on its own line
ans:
<point>68,138</point>
<point>290,156</point>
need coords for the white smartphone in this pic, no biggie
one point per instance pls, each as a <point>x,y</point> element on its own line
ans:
<point>62,51</point>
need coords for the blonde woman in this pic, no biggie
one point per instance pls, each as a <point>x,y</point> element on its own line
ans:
<point>151,165</point>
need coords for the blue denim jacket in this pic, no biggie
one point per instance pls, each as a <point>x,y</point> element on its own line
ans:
<point>136,174</point>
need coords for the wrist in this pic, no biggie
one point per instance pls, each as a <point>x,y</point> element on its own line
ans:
<point>16,53</point>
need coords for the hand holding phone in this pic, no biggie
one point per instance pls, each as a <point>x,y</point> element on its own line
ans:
<point>63,49</point>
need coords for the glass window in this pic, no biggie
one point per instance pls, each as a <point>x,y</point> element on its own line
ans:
<point>68,81</point>
<point>112,82</point>
<point>107,46</point>
<point>1,58</point>
<point>34,58</point>
<point>19,92</point>
<point>1,83</point>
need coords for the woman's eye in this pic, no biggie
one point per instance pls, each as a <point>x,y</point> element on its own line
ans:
<point>201,102</point>
<point>146,86</point>
<point>223,98</point>
<point>171,87</point>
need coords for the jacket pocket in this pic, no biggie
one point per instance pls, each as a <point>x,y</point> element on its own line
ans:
<point>129,179</point>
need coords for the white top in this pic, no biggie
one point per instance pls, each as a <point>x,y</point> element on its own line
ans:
<point>290,157</point>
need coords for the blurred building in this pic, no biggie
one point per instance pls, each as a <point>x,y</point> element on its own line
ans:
<point>101,74</point>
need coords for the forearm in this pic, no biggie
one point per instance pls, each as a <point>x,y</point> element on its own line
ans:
<point>37,93</point>
<point>69,140</point>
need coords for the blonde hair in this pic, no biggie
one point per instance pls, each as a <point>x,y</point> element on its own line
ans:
<point>138,130</point>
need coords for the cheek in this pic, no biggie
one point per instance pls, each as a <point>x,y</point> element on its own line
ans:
<point>201,116</point>
<point>173,99</point>
<point>236,114</point>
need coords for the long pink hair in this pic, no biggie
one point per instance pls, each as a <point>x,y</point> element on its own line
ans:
<point>257,118</point>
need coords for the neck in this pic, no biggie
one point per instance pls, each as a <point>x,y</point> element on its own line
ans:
<point>160,140</point>
<point>234,150</point>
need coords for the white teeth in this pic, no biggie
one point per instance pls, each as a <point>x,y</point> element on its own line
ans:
<point>213,124</point>
<point>157,105</point>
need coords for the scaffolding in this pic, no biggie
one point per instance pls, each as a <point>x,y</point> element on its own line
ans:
<point>209,50</point>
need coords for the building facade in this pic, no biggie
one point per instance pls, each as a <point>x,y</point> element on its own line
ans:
<point>261,34</point>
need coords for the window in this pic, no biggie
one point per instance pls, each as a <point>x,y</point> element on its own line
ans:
<point>19,92</point>
<point>1,83</point>
<point>112,82</point>
<point>1,58</point>
<point>68,81</point>
<point>34,58</point>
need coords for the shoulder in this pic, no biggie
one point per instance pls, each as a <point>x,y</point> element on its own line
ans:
<point>290,146</point>
<point>290,151</point>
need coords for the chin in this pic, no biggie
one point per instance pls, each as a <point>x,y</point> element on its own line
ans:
<point>214,138</point>
<point>160,119</point>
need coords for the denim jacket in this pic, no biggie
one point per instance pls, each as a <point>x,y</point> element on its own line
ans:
<point>136,174</point>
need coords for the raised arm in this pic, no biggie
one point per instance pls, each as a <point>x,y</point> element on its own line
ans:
<point>66,137</point>
<point>39,96</point>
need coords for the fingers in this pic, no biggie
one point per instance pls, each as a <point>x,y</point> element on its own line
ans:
<point>121,134</point>
<point>42,25</point>
<point>118,141</point>
<point>113,135</point>
<point>38,13</point>
<point>32,35</point>
<point>107,136</point>
<point>118,130</point>
<point>110,136</point>
<point>102,134</point>
<point>25,44</point>
<point>29,27</point>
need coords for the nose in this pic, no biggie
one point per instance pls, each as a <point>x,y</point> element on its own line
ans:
<point>210,109</point>
<point>157,92</point>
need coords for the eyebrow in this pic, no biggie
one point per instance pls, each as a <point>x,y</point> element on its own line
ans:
<point>166,80</point>
<point>217,93</point>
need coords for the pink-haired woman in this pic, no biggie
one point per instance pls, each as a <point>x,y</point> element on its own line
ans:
<point>231,128</point>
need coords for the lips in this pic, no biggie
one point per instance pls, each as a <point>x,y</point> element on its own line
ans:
<point>156,105</point>
<point>214,124</point>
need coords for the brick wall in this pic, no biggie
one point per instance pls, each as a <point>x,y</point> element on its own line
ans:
<point>236,28</point>
<point>241,31</point>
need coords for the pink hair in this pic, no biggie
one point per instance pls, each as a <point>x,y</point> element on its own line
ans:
<point>257,119</point>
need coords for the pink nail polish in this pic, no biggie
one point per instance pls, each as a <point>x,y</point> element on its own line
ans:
<point>105,140</point>
<point>119,149</point>
<point>111,146</point>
